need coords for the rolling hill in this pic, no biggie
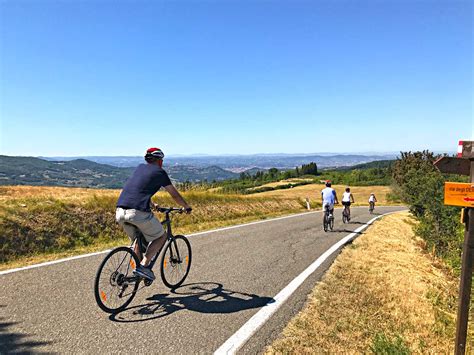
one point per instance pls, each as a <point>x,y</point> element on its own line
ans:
<point>85,173</point>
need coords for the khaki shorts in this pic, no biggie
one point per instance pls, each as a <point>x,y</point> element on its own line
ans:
<point>146,222</point>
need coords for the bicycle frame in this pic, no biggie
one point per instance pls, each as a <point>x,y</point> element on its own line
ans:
<point>346,210</point>
<point>142,245</point>
<point>327,214</point>
<point>169,236</point>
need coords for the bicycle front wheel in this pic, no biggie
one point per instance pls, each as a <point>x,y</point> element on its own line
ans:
<point>115,285</point>
<point>176,261</point>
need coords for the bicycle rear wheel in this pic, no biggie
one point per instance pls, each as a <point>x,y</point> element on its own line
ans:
<point>371,208</point>
<point>331,223</point>
<point>325,222</point>
<point>176,261</point>
<point>115,285</point>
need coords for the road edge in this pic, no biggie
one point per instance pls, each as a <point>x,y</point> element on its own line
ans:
<point>244,333</point>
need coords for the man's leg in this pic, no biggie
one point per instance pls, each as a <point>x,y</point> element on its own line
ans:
<point>153,231</point>
<point>154,247</point>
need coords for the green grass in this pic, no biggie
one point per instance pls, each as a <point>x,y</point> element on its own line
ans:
<point>384,345</point>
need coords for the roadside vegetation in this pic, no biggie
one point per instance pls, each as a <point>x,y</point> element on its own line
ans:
<point>384,294</point>
<point>49,222</point>
<point>421,187</point>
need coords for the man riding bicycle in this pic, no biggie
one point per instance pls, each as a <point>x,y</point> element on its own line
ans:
<point>329,197</point>
<point>134,207</point>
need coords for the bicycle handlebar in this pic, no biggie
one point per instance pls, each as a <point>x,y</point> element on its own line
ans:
<point>172,209</point>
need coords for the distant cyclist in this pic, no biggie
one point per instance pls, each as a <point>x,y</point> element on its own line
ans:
<point>372,200</point>
<point>134,206</point>
<point>329,198</point>
<point>347,197</point>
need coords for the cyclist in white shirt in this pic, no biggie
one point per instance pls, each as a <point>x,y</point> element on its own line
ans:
<point>347,197</point>
<point>329,198</point>
<point>372,198</point>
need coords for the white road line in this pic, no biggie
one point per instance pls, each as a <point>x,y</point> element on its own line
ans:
<point>52,262</point>
<point>236,341</point>
<point>189,235</point>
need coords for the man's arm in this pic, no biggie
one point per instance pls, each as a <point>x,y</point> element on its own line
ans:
<point>352,197</point>
<point>177,196</point>
<point>335,196</point>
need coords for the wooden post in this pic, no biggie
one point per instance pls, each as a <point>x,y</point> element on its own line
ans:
<point>308,206</point>
<point>466,277</point>
<point>463,165</point>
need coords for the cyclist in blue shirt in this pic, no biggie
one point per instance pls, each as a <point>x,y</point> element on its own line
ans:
<point>329,198</point>
<point>134,207</point>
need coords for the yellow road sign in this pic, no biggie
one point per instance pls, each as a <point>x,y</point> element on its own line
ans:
<point>459,194</point>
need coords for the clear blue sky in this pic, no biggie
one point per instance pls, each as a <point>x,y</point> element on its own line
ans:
<point>114,77</point>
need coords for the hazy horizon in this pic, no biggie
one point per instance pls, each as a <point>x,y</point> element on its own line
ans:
<point>223,155</point>
<point>374,153</point>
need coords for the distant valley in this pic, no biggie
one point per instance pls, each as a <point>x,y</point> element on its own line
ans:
<point>112,172</point>
<point>239,163</point>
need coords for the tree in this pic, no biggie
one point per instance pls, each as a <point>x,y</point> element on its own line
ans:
<point>273,172</point>
<point>309,169</point>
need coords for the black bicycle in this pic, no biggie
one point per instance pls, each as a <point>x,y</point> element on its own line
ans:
<point>371,207</point>
<point>328,220</point>
<point>115,283</point>
<point>346,214</point>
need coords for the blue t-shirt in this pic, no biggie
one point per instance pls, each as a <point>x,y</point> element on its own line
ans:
<point>146,180</point>
<point>329,195</point>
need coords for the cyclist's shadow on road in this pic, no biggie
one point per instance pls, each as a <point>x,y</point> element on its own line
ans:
<point>202,297</point>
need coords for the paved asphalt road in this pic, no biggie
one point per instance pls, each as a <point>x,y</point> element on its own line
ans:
<point>234,273</point>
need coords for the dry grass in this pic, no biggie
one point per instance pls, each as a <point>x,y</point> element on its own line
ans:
<point>281,182</point>
<point>313,191</point>
<point>44,223</point>
<point>69,194</point>
<point>383,284</point>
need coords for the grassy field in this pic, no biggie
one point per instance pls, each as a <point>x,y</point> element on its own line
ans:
<point>313,191</point>
<point>282,182</point>
<point>44,223</point>
<point>384,294</point>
